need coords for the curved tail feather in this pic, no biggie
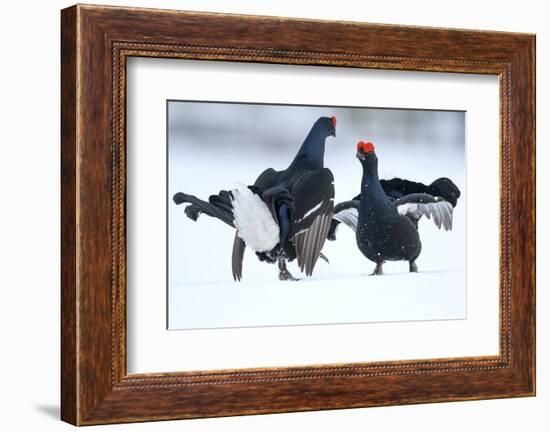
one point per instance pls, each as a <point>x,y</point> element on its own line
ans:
<point>445,188</point>
<point>198,206</point>
<point>397,188</point>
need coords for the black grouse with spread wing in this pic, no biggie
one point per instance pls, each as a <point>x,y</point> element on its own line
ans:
<point>385,214</point>
<point>285,215</point>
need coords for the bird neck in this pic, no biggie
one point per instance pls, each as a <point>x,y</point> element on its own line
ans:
<point>371,189</point>
<point>312,151</point>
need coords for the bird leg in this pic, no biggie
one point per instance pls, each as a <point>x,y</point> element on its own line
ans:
<point>284,273</point>
<point>378,269</point>
<point>413,267</point>
<point>322,256</point>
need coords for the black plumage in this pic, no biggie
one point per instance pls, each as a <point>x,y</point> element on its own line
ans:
<point>385,214</point>
<point>284,215</point>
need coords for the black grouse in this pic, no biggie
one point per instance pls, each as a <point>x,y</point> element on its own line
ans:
<point>285,215</point>
<point>385,214</point>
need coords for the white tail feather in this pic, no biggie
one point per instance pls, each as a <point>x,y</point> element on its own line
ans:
<point>253,220</point>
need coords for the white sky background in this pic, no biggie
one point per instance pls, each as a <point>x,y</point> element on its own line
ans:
<point>213,146</point>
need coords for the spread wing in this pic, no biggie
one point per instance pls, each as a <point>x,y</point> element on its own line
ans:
<point>314,202</point>
<point>345,212</point>
<point>417,205</point>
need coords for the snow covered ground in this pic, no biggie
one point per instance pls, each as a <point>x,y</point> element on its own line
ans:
<point>418,145</point>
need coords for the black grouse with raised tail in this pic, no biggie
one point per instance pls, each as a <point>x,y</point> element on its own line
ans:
<point>285,215</point>
<point>385,214</point>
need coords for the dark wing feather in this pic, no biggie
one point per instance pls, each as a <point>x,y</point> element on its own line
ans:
<point>314,203</point>
<point>237,258</point>
<point>266,179</point>
<point>417,205</point>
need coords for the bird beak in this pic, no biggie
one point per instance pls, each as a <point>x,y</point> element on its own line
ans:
<point>333,133</point>
<point>360,155</point>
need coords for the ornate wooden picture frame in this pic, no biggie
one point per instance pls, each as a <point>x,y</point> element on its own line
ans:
<point>96,41</point>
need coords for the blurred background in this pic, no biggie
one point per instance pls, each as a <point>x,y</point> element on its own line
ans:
<point>275,129</point>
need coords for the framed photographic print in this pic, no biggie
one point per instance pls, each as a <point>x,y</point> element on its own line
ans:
<point>317,215</point>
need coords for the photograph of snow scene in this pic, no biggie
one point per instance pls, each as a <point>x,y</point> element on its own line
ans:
<point>282,215</point>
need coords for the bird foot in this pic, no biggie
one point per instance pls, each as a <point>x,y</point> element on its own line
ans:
<point>285,275</point>
<point>378,270</point>
<point>413,267</point>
